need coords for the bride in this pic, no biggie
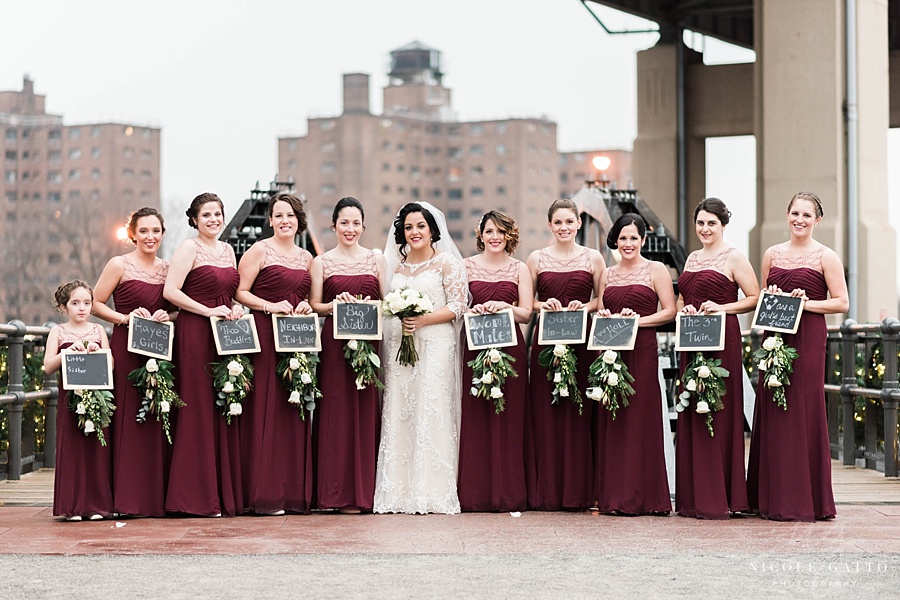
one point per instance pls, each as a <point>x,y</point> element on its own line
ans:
<point>418,454</point>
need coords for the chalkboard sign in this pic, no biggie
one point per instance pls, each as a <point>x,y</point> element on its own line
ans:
<point>297,333</point>
<point>613,333</point>
<point>151,338</point>
<point>562,327</point>
<point>236,336</point>
<point>778,312</point>
<point>357,320</point>
<point>87,370</point>
<point>698,333</point>
<point>493,330</point>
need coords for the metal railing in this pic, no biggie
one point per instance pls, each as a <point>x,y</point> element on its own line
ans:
<point>13,336</point>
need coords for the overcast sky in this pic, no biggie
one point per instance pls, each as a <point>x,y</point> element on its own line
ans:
<point>224,79</point>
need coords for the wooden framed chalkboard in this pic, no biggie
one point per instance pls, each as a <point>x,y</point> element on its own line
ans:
<point>700,332</point>
<point>778,312</point>
<point>357,320</point>
<point>297,333</point>
<point>236,336</point>
<point>562,327</point>
<point>87,370</point>
<point>151,338</point>
<point>493,330</point>
<point>613,333</point>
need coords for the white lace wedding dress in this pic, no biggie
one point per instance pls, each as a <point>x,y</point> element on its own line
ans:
<point>419,450</point>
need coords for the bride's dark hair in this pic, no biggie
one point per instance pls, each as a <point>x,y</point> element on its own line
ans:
<point>400,221</point>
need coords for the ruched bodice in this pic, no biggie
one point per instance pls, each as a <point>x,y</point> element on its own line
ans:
<point>134,293</point>
<point>697,287</point>
<point>639,298</point>
<point>501,291</point>
<point>275,283</point>
<point>211,286</point>
<point>358,285</point>
<point>565,287</point>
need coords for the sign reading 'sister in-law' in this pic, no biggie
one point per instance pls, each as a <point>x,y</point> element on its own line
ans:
<point>562,327</point>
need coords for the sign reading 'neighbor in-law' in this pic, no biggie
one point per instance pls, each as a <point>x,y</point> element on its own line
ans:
<point>494,330</point>
<point>150,338</point>
<point>778,312</point>
<point>562,327</point>
<point>700,333</point>
<point>613,333</point>
<point>236,336</point>
<point>357,320</point>
<point>296,333</point>
<point>87,370</point>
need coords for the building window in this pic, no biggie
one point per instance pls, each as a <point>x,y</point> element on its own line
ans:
<point>145,175</point>
<point>74,153</point>
<point>128,173</point>
<point>414,172</point>
<point>328,188</point>
<point>74,194</point>
<point>54,156</point>
<point>127,151</point>
<point>386,188</point>
<point>476,170</point>
<point>54,258</point>
<point>385,145</point>
<point>292,164</point>
<point>12,134</point>
<point>95,152</point>
<point>74,133</point>
<point>414,192</point>
<point>292,144</point>
<point>476,129</point>
<point>95,131</point>
<point>326,124</point>
<point>564,177</point>
<point>146,154</point>
<point>455,194</point>
<point>401,168</point>
<point>11,216</point>
<point>10,176</point>
<point>476,192</point>
<point>453,174</point>
<point>12,196</point>
<point>454,214</point>
<point>501,191</point>
<point>401,148</point>
<point>54,196</point>
<point>501,128</point>
<point>36,196</point>
<point>454,152</point>
<point>477,150</point>
<point>456,235</point>
<point>501,169</point>
<point>501,149</point>
<point>145,133</point>
<point>54,134</point>
<point>328,167</point>
<point>452,129</point>
<point>386,167</point>
<point>435,193</point>
<point>74,174</point>
<point>12,155</point>
<point>328,147</point>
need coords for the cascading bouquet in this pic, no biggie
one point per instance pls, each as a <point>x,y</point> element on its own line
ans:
<point>490,368</point>
<point>610,382</point>
<point>232,378</point>
<point>93,409</point>
<point>776,363</point>
<point>156,382</point>
<point>561,365</point>
<point>704,379</point>
<point>402,303</point>
<point>298,375</point>
<point>365,363</point>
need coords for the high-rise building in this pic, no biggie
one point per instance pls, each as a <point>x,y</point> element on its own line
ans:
<point>65,192</point>
<point>417,150</point>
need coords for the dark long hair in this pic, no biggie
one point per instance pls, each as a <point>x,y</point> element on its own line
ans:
<point>612,240</point>
<point>400,221</point>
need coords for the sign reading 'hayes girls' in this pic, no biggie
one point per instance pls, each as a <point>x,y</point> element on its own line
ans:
<point>151,338</point>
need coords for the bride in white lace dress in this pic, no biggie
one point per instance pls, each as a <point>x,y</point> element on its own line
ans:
<point>419,450</point>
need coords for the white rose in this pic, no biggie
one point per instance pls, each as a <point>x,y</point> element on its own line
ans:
<point>235,409</point>
<point>564,392</point>
<point>235,368</point>
<point>703,372</point>
<point>494,355</point>
<point>610,356</point>
<point>487,377</point>
<point>686,401</point>
<point>613,379</point>
<point>305,378</point>
<point>769,344</point>
<point>293,364</point>
<point>557,377</point>
<point>762,365</point>
<point>152,366</point>
<point>778,341</point>
<point>559,350</point>
<point>496,392</point>
<point>360,385</point>
<point>353,344</point>
<point>679,407</point>
<point>685,396</point>
<point>163,406</point>
<point>773,382</point>
<point>88,426</point>
<point>228,387</point>
<point>702,407</point>
<point>691,385</point>
<point>474,391</point>
<point>80,410</point>
<point>294,398</point>
<point>592,393</point>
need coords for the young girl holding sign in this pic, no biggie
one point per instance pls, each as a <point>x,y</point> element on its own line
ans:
<point>82,486</point>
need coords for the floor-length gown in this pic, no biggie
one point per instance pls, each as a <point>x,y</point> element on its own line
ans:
<point>491,446</point>
<point>348,420</point>
<point>789,473</point>
<point>710,482</point>
<point>558,455</point>
<point>205,472</point>
<point>140,451</point>
<point>418,453</point>
<point>276,444</point>
<point>630,456</point>
<point>82,481</point>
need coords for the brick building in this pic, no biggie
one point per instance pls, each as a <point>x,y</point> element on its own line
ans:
<point>64,193</point>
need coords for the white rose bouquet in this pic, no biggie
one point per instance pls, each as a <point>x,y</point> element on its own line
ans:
<point>157,383</point>
<point>365,363</point>
<point>93,410</point>
<point>490,369</point>
<point>232,377</point>
<point>610,382</point>
<point>562,365</point>
<point>704,381</point>
<point>402,303</point>
<point>298,375</point>
<point>775,364</point>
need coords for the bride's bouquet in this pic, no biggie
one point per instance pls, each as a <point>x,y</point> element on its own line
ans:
<point>402,303</point>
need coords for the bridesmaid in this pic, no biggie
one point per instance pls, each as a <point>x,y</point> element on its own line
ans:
<point>630,456</point>
<point>710,482</point>
<point>348,420</point>
<point>276,444</point>
<point>205,473</point>
<point>798,489</point>
<point>82,484</point>
<point>559,463</point>
<point>139,450</point>
<point>491,446</point>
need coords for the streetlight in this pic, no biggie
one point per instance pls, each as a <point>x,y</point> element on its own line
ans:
<point>602,163</point>
<point>122,233</point>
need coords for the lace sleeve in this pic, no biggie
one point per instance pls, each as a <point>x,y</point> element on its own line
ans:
<point>453,278</point>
